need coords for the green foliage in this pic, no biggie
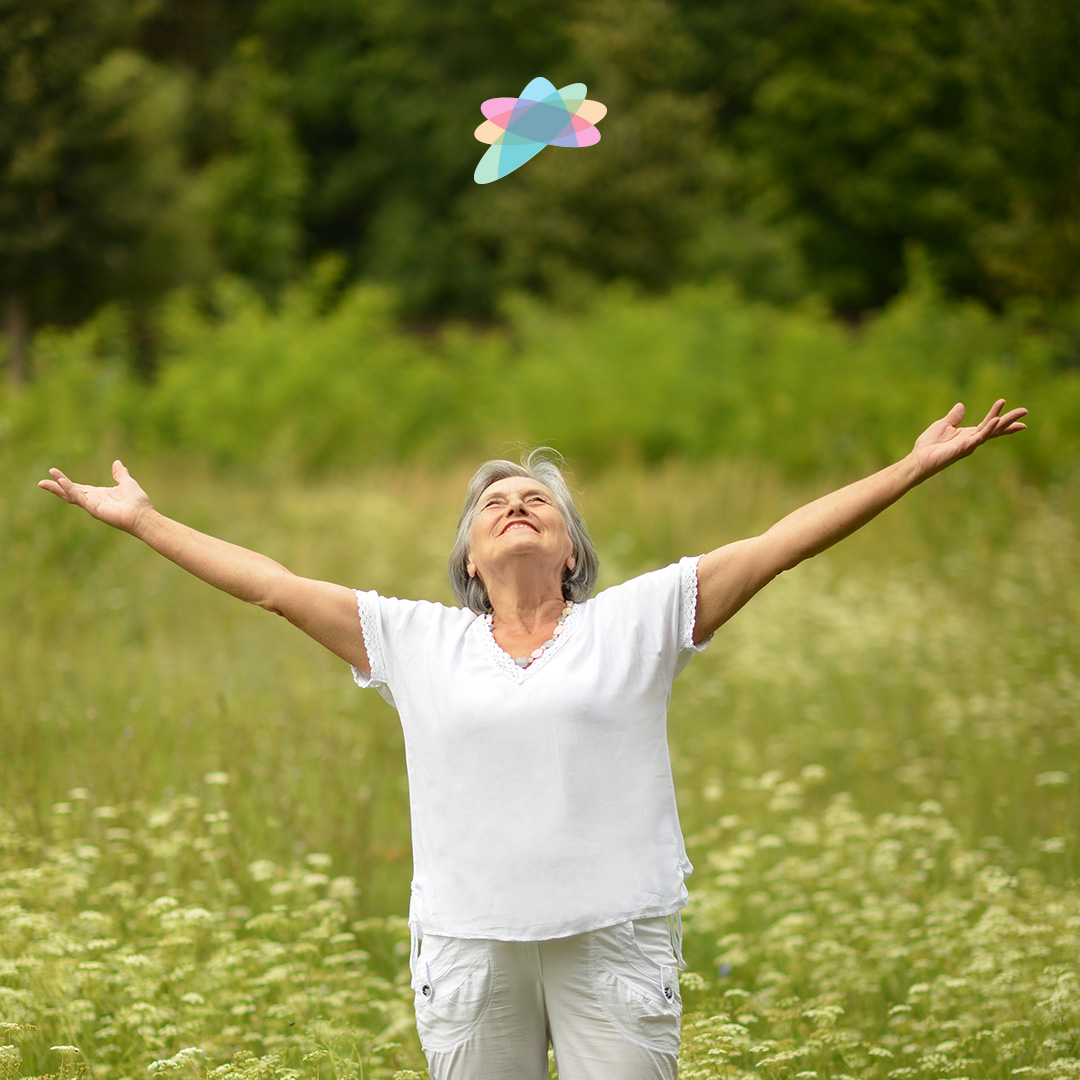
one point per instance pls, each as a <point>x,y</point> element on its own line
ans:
<point>91,166</point>
<point>630,208</point>
<point>858,138</point>
<point>798,150</point>
<point>328,378</point>
<point>1028,114</point>
<point>307,388</point>
<point>250,190</point>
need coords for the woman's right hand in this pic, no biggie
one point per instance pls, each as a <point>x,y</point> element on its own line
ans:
<point>121,506</point>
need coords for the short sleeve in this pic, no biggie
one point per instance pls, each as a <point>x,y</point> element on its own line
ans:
<point>367,604</point>
<point>688,591</point>
<point>657,610</point>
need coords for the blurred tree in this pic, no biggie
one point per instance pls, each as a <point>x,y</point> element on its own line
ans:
<point>851,117</point>
<point>200,35</point>
<point>91,168</point>
<point>862,127</point>
<point>793,147</point>
<point>630,207</point>
<point>250,190</point>
<point>1027,58</point>
<point>385,95</point>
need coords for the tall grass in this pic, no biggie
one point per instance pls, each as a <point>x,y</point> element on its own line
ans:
<point>204,840</point>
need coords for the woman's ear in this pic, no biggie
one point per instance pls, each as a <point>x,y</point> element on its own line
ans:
<point>470,567</point>
<point>571,563</point>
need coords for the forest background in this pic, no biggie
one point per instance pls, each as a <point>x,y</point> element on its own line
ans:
<point>261,219</point>
<point>241,248</point>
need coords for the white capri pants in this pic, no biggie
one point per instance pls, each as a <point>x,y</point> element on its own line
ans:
<point>608,1001</point>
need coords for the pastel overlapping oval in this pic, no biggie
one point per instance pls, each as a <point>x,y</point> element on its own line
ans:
<point>517,129</point>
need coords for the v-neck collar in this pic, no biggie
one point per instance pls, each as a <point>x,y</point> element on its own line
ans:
<point>505,662</point>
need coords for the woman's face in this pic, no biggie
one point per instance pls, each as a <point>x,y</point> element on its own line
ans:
<point>518,518</point>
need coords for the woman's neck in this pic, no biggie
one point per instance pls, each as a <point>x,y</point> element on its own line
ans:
<point>525,606</point>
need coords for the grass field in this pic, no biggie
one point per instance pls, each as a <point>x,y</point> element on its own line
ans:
<point>204,856</point>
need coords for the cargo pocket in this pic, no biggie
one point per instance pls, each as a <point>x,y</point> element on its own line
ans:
<point>452,983</point>
<point>637,982</point>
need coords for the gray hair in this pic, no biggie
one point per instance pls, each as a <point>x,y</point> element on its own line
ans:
<point>540,465</point>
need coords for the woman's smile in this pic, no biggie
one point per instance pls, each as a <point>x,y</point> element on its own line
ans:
<point>509,508</point>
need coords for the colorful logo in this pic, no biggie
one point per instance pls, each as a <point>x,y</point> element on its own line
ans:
<point>519,128</point>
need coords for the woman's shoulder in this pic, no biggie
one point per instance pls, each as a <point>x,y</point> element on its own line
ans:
<point>664,581</point>
<point>659,603</point>
<point>403,607</point>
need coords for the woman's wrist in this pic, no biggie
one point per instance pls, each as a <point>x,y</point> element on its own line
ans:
<point>915,469</point>
<point>145,523</point>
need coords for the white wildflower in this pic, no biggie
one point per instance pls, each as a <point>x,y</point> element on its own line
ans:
<point>188,1057</point>
<point>1052,779</point>
<point>1052,845</point>
<point>262,870</point>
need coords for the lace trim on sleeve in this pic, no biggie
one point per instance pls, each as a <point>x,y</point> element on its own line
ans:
<point>369,627</point>
<point>688,603</point>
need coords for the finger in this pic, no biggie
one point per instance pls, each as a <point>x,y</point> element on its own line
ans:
<point>61,485</point>
<point>955,415</point>
<point>1010,422</point>
<point>67,489</point>
<point>991,417</point>
<point>119,471</point>
<point>1011,427</point>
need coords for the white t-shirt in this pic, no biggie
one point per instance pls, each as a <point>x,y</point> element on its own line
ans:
<point>542,799</point>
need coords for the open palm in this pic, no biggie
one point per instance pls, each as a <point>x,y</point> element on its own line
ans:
<point>119,506</point>
<point>944,441</point>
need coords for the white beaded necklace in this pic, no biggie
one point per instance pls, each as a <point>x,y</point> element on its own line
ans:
<point>525,661</point>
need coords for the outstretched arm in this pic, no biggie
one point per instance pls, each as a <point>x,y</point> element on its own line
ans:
<point>729,576</point>
<point>325,611</point>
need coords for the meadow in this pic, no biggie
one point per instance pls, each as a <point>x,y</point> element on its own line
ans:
<point>204,843</point>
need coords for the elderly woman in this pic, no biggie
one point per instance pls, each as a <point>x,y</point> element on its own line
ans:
<point>549,866</point>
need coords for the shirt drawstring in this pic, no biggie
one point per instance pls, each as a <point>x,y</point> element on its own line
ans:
<point>414,947</point>
<point>415,938</point>
<point>669,976</point>
<point>676,931</point>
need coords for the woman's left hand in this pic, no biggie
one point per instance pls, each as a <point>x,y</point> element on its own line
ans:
<point>944,442</point>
